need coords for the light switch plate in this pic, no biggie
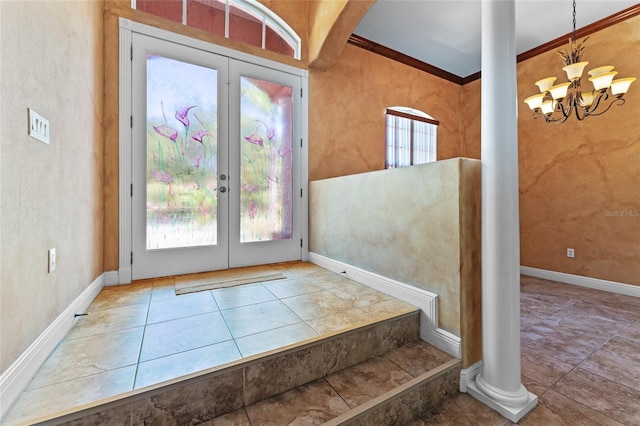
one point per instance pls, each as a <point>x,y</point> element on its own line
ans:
<point>52,260</point>
<point>38,126</point>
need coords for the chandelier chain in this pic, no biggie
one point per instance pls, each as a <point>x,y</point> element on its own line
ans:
<point>574,21</point>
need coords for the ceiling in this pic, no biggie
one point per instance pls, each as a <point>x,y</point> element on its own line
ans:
<point>447,34</point>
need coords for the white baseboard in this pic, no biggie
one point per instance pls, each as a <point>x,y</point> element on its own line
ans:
<point>111,278</point>
<point>16,378</point>
<point>594,283</point>
<point>124,276</point>
<point>468,375</point>
<point>423,299</point>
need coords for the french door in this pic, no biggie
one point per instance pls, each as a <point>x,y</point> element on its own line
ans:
<point>216,181</point>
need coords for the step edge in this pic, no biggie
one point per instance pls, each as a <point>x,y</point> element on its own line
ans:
<point>397,391</point>
<point>210,373</point>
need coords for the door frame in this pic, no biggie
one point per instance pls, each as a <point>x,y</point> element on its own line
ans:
<point>126,29</point>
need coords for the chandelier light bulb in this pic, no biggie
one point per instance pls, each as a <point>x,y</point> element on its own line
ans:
<point>545,83</point>
<point>535,101</point>
<point>574,71</point>
<point>559,91</point>
<point>603,81</point>
<point>621,85</point>
<point>548,106</point>
<point>600,70</point>
<point>587,99</point>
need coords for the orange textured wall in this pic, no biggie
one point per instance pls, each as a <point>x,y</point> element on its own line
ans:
<point>580,181</point>
<point>347,104</point>
<point>471,119</point>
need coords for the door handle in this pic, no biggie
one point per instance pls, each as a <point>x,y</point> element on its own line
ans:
<point>223,189</point>
<point>223,177</point>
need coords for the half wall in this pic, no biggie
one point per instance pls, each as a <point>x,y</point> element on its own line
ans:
<point>419,225</point>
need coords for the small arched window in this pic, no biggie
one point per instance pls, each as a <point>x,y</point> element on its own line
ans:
<point>411,137</point>
<point>244,20</point>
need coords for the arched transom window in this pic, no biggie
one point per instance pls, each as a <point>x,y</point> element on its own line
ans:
<point>244,20</point>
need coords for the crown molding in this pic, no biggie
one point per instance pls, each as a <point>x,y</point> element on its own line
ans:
<point>379,49</point>
<point>609,21</point>
<point>387,52</point>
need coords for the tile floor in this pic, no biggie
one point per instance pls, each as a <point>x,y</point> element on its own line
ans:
<point>142,334</point>
<point>580,355</point>
<point>580,348</point>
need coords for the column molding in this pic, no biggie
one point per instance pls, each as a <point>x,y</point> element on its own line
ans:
<point>499,384</point>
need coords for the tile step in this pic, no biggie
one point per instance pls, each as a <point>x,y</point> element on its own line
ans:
<point>406,402</point>
<point>363,394</point>
<point>208,394</point>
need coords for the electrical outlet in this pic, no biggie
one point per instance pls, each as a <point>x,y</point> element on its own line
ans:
<point>38,126</point>
<point>52,260</point>
<point>571,252</point>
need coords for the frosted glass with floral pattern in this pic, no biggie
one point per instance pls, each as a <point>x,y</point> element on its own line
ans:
<point>181,154</point>
<point>266,175</point>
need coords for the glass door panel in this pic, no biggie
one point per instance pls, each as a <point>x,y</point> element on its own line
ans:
<point>180,158</point>
<point>266,166</point>
<point>215,170</point>
<point>182,164</point>
<point>262,132</point>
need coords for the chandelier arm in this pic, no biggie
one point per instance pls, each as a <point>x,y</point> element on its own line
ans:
<point>619,101</point>
<point>571,102</point>
<point>578,110</point>
<point>550,119</point>
<point>596,103</point>
<point>538,114</point>
<point>558,120</point>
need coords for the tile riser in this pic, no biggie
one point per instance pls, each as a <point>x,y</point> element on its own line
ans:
<point>244,383</point>
<point>406,402</point>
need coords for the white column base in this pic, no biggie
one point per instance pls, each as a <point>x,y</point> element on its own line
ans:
<point>468,375</point>
<point>513,413</point>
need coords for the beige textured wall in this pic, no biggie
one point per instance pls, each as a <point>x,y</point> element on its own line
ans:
<point>418,225</point>
<point>347,104</point>
<point>51,60</point>
<point>572,174</point>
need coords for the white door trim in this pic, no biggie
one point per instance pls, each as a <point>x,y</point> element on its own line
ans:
<point>127,27</point>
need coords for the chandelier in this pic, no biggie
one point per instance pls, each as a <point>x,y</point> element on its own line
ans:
<point>556,103</point>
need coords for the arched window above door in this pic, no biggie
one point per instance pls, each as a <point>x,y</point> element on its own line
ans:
<point>242,20</point>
